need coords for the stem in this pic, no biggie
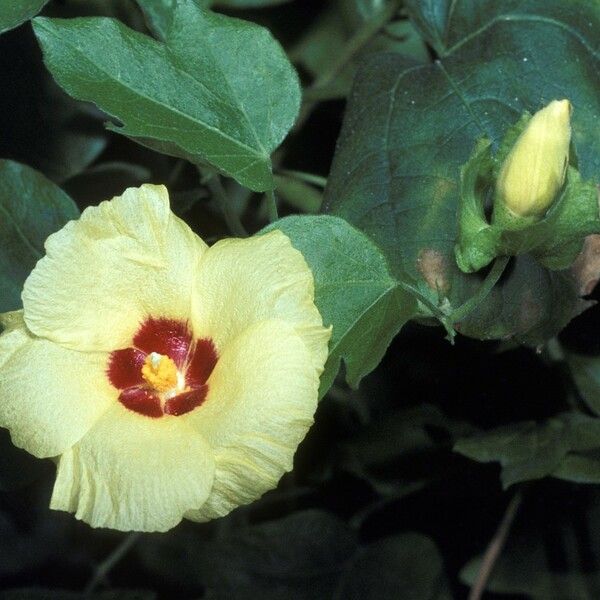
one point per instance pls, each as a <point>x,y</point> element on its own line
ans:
<point>356,43</point>
<point>272,206</point>
<point>323,94</point>
<point>231,217</point>
<point>104,568</point>
<point>486,287</point>
<point>175,172</point>
<point>436,312</point>
<point>494,549</point>
<point>309,178</point>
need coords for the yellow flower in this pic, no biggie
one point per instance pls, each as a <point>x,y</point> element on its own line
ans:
<point>169,379</point>
<point>534,171</point>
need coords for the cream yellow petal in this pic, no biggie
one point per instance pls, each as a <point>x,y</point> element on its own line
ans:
<point>122,261</point>
<point>242,282</point>
<point>49,396</point>
<point>261,402</point>
<point>134,473</point>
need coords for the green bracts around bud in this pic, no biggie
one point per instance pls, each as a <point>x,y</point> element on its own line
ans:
<point>534,171</point>
<point>541,205</point>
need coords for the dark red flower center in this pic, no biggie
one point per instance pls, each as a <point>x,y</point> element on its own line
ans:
<point>138,374</point>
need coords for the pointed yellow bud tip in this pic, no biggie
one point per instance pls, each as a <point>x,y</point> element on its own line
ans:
<point>160,372</point>
<point>534,171</point>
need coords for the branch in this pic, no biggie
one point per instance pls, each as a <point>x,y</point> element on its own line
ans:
<point>494,549</point>
<point>104,568</point>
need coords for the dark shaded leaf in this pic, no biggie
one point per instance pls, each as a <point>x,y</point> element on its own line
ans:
<point>300,195</point>
<point>529,450</point>
<point>319,48</point>
<point>396,173</point>
<point>15,12</point>
<point>298,557</point>
<point>41,125</point>
<point>406,566</point>
<point>586,373</point>
<point>31,208</point>
<point>400,434</point>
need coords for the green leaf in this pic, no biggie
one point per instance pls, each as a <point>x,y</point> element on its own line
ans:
<point>376,453</point>
<point>300,195</point>
<point>31,208</point>
<point>579,468</point>
<point>300,557</point>
<point>219,90</point>
<point>586,373</point>
<point>15,12</point>
<point>407,566</point>
<point>563,446</point>
<point>395,175</point>
<point>318,50</point>
<point>354,292</point>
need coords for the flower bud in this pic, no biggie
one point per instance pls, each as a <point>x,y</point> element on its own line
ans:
<point>534,170</point>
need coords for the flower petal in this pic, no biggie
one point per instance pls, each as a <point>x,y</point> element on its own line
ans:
<point>241,282</point>
<point>104,274</point>
<point>50,396</point>
<point>261,401</point>
<point>134,473</point>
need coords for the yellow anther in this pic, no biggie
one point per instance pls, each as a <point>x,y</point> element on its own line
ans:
<point>160,372</point>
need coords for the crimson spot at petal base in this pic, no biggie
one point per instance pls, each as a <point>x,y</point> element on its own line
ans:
<point>202,363</point>
<point>141,400</point>
<point>125,368</point>
<point>195,360</point>
<point>165,336</point>
<point>186,402</point>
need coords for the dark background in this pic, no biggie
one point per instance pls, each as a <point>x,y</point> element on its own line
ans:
<point>376,468</point>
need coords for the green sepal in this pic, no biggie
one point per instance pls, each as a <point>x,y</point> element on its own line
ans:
<point>554,241</point>
<point>477,241</point>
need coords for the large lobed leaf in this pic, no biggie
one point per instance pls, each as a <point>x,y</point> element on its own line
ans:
<point>31,208</point>
<point>218,90</point>
<point>409,128</point>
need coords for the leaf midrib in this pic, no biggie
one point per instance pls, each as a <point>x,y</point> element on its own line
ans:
<point>240,106</point>
<point>368,309</point>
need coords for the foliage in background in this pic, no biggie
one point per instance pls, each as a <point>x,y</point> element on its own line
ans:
<point>223,106</point>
